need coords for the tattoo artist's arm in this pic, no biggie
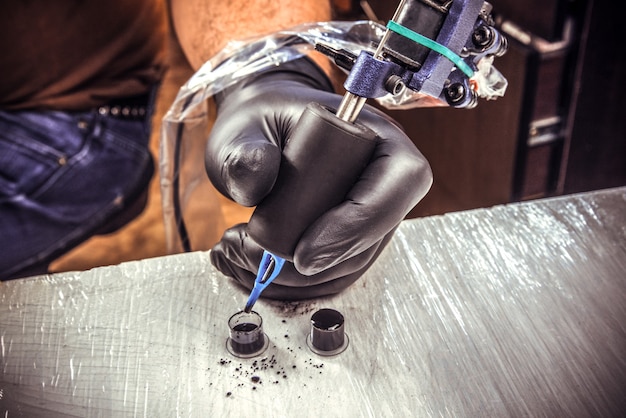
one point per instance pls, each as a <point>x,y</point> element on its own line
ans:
<point>204,27</point>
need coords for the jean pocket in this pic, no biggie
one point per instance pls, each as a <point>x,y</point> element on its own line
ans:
<point>71,166</point>
<point>34,146</point>
<point>24,166</point>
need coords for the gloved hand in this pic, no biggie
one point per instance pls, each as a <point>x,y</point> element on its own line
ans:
<point>254,120</point>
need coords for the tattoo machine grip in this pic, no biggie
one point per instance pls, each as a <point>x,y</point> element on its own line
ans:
<point>321,161</point>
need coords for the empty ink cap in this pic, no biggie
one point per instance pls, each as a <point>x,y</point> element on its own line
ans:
<point>327,336</point>
<point>246,337</point>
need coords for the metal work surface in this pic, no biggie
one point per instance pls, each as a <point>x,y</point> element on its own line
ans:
<point>515,310</point>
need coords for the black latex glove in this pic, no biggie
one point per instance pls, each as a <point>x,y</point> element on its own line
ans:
<point>254,120</point>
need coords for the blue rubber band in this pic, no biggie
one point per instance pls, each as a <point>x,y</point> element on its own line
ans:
<point>430,44</point>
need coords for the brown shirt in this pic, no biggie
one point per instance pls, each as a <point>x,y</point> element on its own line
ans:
<point>78,54</point>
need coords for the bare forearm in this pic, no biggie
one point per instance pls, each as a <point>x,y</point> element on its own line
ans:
<point>203,27</point>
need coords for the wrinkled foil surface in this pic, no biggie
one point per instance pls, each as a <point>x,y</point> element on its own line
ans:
<point>514,310</point>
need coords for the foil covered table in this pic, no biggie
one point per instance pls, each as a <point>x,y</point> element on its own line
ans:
<point>515,310</point>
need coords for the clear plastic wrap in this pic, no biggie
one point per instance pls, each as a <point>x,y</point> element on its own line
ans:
<point>510,311</point>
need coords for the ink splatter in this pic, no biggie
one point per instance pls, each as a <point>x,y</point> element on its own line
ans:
<point>274,368</point>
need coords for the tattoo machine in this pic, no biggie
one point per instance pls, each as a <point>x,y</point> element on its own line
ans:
<point>440,48</point>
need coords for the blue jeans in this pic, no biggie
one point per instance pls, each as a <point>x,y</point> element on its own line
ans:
<point>65,176</point>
